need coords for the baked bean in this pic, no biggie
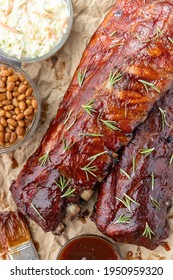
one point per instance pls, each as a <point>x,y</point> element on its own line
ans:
<point>8,107</point>
<point>20,130</point>
<point>2,113</point>
<point>17,83</point>
<point>22,105</point>
<point>13,78</point>
<point>28,111</point>
<point>15,102</point>
<point>34,104</point>
<point>1,127</point>
<point>16,93</point>
<point>17,111</point>
<point>10,70</point>
<point>2,84</point>
<point>21,78</point>
<point>4,122</point>
<point>1,104</point>
<point>11,127</point>
<point>29,91</point>
<point>7,129</point>
<point>2,136</point>
<point>28,102</point>
<point>19,117</point>
<point>2,97</point>
<point>7,136</point>
<point>16,88</point>
<point>13,137</point>
<point>8,115</point>
<point>4,73</point>
<point>3,89</point>
<point>11,86</point>
<point>22,88</point>
<point>12,122</point>
<point>9,95</point>
<point>21,97</point>
<point>6,102</point>
<point>3,67</point>
<point>21,123</point>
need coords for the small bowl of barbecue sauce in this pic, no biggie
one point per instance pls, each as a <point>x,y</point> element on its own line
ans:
<point>89,247</point>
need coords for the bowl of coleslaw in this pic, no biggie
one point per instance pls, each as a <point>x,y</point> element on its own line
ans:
<point>34,30</point>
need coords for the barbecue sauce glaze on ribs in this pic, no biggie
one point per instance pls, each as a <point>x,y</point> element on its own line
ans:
<point>144,178</point>
<point>126,68</point>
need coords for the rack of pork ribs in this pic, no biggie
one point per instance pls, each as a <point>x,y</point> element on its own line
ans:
<point>97,136</point>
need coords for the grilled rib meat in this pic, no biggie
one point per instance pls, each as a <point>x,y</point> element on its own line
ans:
<point>145,175</point>
<point>125,69</point>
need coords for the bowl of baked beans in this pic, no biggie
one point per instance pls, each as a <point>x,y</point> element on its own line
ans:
<point>20,107</point>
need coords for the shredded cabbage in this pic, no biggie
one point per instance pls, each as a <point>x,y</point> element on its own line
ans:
<point>32,28</point>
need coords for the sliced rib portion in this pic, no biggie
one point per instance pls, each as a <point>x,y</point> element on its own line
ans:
<point>126,68</point>
<point>134,201</point>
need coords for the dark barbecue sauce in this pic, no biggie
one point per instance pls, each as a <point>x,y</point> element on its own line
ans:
<point>89,247</point>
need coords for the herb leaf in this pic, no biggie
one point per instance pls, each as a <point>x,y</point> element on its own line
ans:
<point>171,159</point>
<point>147,85</point>
<point>164,121</point>
<point>67,146</point>
<point>148,231</point>
<point>123,219</point>
<point>90,169</point>
<point>112,125</point>
<point>97,155</point>
<point>62,184</point>
<point>155,203</point>
<point>70,125</point>
<point>81,76</point>
<point>44,159</point>
<point>171,40</point>
<point>125,173</point>
<point>91,134</point>
<point>114,77</point>
<point>38,213</point>
<point>127,202</point>
<point>146,151</point>
<point>68,117</point>
<point>89,107</point>
<point>152,181</point>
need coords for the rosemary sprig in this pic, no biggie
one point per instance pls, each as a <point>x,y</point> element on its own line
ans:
<point>81,76</point>
<point>70,125</point>
<point>113,33</point>
<point>152,181</point>
<point>147,85</point>
<point>112,125</point>
<point>114,77</point>
<point>133,164</point>
<point>116,45</point>
<point>90,169</point>
<point>171,40</point>
<point>164,121</point>
<point>155,203</point>
<point>89,107</point>
<point>125,173</point>
<point>158,33</point>
<point>127,202</point>
<point>38,213</point>
<point>123,219</point>
<point>97,155</point>
<point>68,117</point>
<point>44,159</point>
<point>69,192</point>
<point>148,231</point>
<point>171,159</point>
<point>91,134</point>
<point>62,184</point>
<point>146,151</point>
<point>66,146</point>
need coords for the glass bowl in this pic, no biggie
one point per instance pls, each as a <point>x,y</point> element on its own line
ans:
<point>89,247</point>
<point>53,50</point>
<point>34,123</point>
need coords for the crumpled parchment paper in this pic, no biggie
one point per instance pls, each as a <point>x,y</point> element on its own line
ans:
<point>52,77</point>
